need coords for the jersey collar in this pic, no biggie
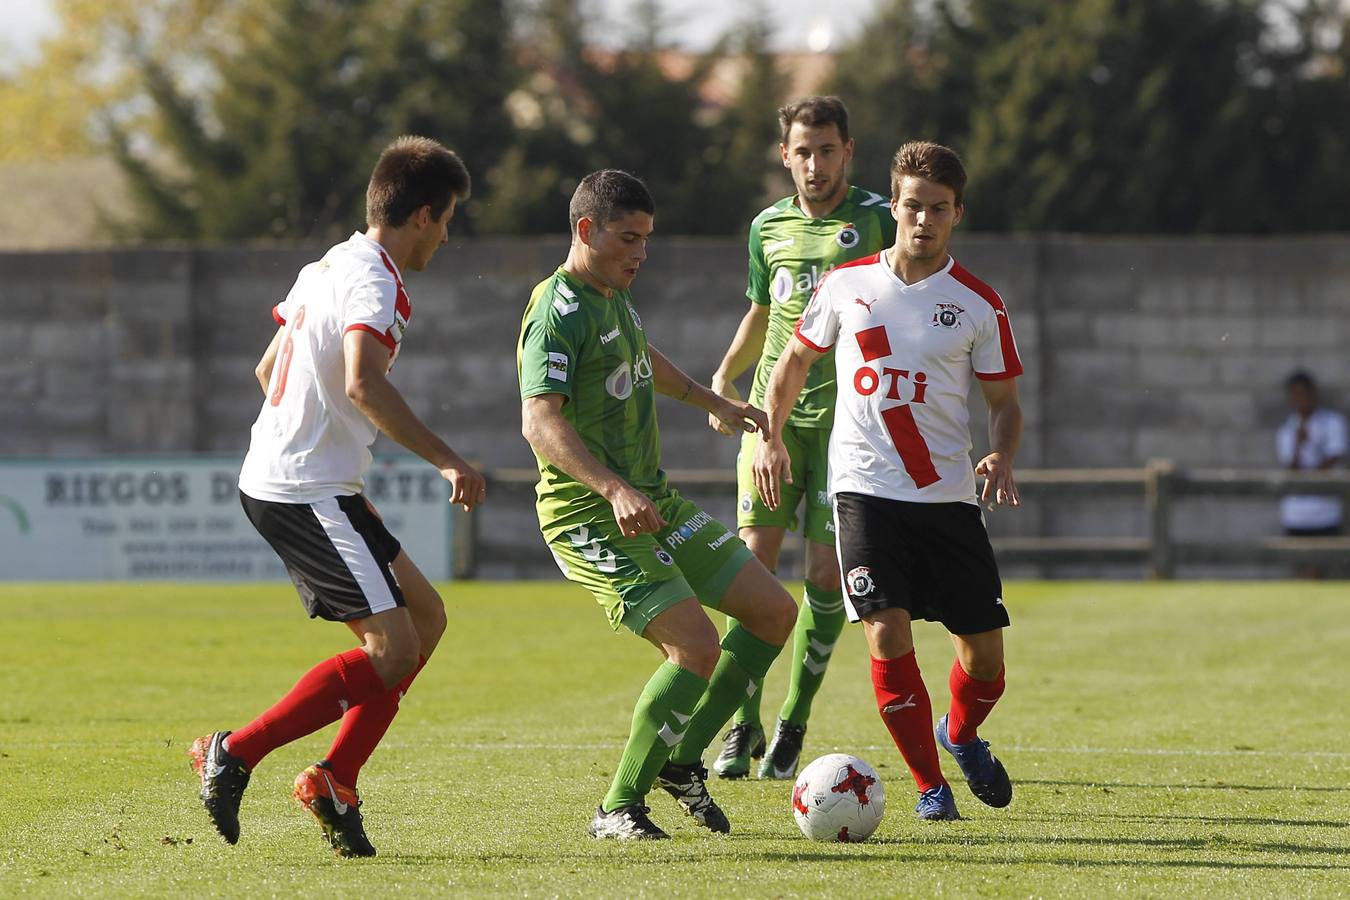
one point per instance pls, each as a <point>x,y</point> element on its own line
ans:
<point>899,282</point>
<point>378,249</point>
<point>846,200</point>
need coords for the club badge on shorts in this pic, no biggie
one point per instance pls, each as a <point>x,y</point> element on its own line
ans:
<point>859,581</point>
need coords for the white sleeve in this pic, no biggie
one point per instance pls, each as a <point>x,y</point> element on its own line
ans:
<point>994,354</point>
<point>1336,438</point>
<point>819,324</point>
<point>371,306</point>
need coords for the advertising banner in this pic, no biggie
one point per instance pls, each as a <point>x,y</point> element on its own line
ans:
<point>180,519</point>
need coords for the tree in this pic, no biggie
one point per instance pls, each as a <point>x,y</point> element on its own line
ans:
<point>296,108</point>
<point>1112,115</point>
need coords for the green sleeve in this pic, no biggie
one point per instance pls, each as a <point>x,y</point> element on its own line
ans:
<point>548,351</point>
<point>757,287</point>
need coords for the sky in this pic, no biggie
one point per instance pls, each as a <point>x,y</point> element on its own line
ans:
<point>801,24</point>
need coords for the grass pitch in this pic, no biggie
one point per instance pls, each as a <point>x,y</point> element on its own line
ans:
<point>1163,740</point>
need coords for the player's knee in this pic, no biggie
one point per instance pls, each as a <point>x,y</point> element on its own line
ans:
<point>699,657</point>
<point>984,668</point>
<point>394,659</point>
<point>774,618</point>
<point>823,573</point>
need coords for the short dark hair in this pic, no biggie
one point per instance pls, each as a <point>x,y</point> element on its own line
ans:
<point>1300,378</point>
<point>414,172</point>
<point>814,112</point>
<point>931,162</point>
<point>608,194</point>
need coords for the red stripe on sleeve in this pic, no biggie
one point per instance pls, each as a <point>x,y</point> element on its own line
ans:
<point>382,336</point>
<point>276,314</point>
<point>1012,365</point>
<point>810,343</point>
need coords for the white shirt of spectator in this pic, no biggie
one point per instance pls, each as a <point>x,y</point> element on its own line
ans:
<point>904,357</point>
<point>1326,440</point>
<point>310,441</point>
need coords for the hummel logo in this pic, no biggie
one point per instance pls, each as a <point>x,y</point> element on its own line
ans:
<point>863,303</point>
<point>779,245</point>
<point>896,707</point>
<point>332,792</point>
<point>682,718</point>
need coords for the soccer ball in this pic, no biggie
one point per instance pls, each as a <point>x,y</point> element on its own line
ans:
<point>838,798</point>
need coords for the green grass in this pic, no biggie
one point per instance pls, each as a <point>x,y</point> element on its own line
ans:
<point>1164,740</point>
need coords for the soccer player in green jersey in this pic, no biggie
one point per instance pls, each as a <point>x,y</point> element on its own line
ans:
<point>793,243</point>
<point>588,383</point>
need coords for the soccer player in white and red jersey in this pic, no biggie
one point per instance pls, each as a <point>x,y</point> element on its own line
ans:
<point>909,327</point>
<point>327,394</point>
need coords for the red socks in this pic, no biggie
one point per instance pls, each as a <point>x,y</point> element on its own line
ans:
<point>362,728</point>
<point>908,714</point>
<point>972,701</point>
<point>321,696</point>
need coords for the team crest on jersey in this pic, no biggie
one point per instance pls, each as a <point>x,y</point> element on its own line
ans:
<point>665,558</point>
<point>847,237</point>
<point>636,321</point>
<point>859,581</point>
<point>947,315</point>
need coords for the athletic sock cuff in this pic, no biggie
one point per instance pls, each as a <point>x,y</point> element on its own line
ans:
<point>961,678</point>
<point>359,676</point>
<point>750,653</point>
<point>823,602</point>
<point>895,674</point>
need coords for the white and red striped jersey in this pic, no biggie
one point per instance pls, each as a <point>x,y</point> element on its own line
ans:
<point>310,441</point>
<point>904,356</point>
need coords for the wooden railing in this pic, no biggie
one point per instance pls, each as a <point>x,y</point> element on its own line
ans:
<point>1158,486</point>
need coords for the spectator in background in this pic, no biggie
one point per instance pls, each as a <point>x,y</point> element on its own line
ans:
<point>1311,439</point>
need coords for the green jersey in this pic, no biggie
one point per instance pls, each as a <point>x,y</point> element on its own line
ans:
<point>790,252</point>
<point>591,349</point>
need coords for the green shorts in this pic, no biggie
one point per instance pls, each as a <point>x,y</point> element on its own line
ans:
<point>636,578</point>
<point>808,448</point>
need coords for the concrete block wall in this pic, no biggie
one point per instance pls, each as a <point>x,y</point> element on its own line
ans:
<point>1134,348</point>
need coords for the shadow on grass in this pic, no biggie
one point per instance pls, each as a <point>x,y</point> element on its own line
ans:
<point>1213,820</point>
<point>1214,786</point>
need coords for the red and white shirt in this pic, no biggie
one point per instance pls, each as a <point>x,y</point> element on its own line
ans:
<point>310,441</point>
<point>904,356</point>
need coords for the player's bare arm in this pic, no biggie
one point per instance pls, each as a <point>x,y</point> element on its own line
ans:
<point>746,347</point>
<point>366,364</point>
<point>269,359</point>
<point>1005,434</point>
<point>772,464</point>
<point>736,415</point>
<point>554,438</point>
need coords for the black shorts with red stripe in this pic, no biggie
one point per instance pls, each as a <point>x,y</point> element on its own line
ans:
<point>933,560</point>
<point>337,552</point>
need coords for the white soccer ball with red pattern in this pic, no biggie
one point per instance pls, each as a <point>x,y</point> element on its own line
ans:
<point>838,798</point>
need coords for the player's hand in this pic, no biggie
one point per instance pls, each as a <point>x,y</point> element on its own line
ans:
<point>468,488</point>
<point>737,416</point>
<point>999,487</point>
<point>634,511</point>
<point>727,390</point>
<point>772,466</point>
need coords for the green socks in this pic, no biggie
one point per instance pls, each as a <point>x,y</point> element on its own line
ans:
<point>819,623</point>
<point>740,670</point>
<point>659,722</point>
